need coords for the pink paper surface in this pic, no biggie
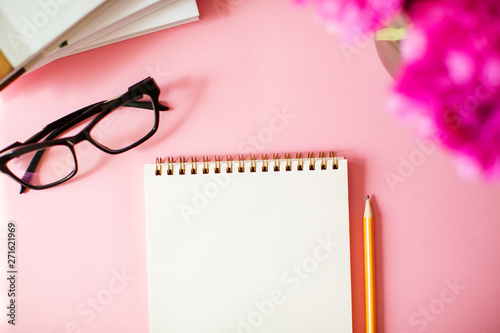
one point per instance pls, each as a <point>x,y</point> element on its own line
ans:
<point>249,77</point>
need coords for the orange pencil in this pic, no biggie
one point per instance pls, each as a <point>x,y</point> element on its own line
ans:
<point>371,325</point>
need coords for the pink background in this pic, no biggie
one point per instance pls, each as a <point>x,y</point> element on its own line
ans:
<point>226,78</point>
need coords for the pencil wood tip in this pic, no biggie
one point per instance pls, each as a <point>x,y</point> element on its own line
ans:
<point>368,208</point>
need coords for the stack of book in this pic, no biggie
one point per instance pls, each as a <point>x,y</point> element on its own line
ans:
<point>36,32</point>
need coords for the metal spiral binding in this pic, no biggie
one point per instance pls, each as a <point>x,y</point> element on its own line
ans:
<point>158,167</point>
<point>217,164</point>
<point>182,169</point>
<point>229,168</point>
<point>241,163</point>
<point>276,162</point>
<point>312,161</point>
<point>335,160</point>
<point>253,163</point>
<point>323,160</point>
<point>194,166</point>
<point>288,159</point>
<point>299,159</point>
<point>205,165</point>
<point>170,166</point>
<point>300,166</point>
<point>265,164</point>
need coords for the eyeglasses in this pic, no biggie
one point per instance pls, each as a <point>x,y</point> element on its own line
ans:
<point>119,124</point>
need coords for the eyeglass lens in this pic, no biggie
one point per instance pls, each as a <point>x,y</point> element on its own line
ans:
<point>125,125</point>
<point>57,163</point>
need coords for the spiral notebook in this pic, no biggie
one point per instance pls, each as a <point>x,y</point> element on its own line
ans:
<point>248,245</point>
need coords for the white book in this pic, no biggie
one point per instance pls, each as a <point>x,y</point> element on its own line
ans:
<point>121,13</point>
<point>177,13</point>
<point>262,248</point>
<point>29,29</point>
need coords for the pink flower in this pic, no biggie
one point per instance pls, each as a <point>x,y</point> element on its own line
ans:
<point>451,76</point>
<point>350,18</point>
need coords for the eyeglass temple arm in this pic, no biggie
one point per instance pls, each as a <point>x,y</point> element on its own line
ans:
<point>54,129</point>
<point>88,111</point>
<point>146,105</point>
<point>60,122</point>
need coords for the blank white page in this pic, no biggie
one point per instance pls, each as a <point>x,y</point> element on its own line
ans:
<point>249,252</point>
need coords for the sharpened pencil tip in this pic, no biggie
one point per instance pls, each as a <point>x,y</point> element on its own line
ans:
<point>368,208</point>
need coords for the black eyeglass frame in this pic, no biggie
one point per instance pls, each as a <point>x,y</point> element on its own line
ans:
<point>101,109</point>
